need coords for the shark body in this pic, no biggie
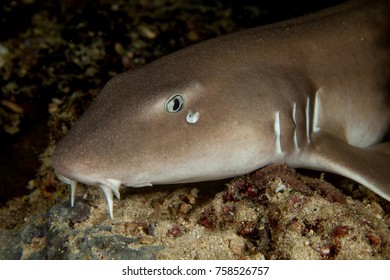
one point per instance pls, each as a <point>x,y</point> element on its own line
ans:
<point>313,92</point>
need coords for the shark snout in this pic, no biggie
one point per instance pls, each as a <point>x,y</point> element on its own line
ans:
<point>70,165</point>
<point>61,165</point>
<point>73,168</point>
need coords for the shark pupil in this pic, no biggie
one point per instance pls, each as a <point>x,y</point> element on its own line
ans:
<point>176,105</point>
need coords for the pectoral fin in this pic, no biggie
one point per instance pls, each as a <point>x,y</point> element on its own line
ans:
<point>367,166</point>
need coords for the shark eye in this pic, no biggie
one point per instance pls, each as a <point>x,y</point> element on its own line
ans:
<point>174,103</point>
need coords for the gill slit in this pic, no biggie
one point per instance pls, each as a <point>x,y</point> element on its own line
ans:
<point>278,146</point>
<point>316,127</point>
<point>308,119</point>
<point>294,117</point>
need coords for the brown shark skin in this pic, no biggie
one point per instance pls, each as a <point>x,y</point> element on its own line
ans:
<point>312,92</point>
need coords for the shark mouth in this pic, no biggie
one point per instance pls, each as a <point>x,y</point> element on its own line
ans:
<point>109,188</point>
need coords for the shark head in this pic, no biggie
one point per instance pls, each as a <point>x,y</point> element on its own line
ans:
<point>167,122</point>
